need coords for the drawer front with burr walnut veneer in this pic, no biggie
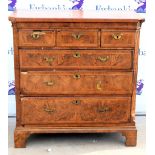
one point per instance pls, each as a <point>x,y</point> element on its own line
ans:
<point>73,59</point>
<point>75,72</point>
<point>55,110</point>
<point>72,83</point>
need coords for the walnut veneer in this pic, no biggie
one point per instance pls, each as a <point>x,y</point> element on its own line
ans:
<point>75,72</point>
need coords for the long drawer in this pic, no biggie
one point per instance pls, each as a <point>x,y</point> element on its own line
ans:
<point>50,110</point>
<point>75,82</point>
<point>73,59</point>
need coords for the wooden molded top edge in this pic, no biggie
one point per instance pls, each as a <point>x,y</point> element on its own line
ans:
<point>75,16</point>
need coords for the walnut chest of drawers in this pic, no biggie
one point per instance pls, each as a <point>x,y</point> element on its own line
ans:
<point>75,72</point>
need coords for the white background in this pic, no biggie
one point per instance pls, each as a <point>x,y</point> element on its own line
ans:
<point>149,68</point>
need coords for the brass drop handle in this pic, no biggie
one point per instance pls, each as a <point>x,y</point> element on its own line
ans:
<point>76,55</point>
<point>103,58</point>
<point>36,34</point>
<point>98,85</point>
<point>76,36</point>
<point>48,109</point>
<point>117,36</point>
<point>49,59</point>
<point>76,102</point>
<point>76,76</point>
<point>104,109</point>
<point>49,83</point>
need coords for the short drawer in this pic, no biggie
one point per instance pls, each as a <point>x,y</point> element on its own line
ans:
<point>73,59</point>
<point>78,38</point>
<point>75,82</point>
<point>75,110</point>
<point>36,38</point>
<point>117,39</point>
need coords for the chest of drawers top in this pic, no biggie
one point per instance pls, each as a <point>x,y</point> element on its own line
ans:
<point>75,16</point>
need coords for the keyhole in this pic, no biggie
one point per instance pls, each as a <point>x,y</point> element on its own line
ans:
<point>76,102</point>
<point>76,55</point>
<point>76,76</point>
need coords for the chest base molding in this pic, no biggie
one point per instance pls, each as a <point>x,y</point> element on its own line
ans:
<point>21,134</point>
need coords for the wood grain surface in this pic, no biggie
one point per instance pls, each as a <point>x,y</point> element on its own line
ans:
<point>75,72</point>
